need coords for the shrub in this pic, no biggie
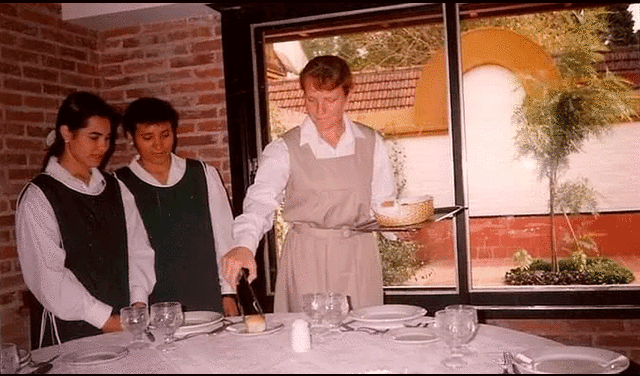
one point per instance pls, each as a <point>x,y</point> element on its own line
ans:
<point>578,270</point>
<point>399,261</point>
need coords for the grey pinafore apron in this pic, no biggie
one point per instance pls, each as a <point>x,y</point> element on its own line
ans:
<point>323,199</point>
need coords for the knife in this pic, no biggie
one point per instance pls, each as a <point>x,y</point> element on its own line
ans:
<point>42,369</point>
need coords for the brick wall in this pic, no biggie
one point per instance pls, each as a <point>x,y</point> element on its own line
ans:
<point>43,59</point>
<point>500,237</point>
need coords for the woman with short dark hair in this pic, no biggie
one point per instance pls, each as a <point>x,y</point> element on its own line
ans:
<point>329,172</point>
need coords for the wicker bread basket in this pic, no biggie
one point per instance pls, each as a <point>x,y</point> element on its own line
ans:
<point>404,211</point>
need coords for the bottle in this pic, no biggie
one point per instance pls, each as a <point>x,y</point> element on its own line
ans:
<point>300,336</point>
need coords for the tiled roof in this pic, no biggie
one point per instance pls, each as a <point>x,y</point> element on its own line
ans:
<point>395,88</point>
<point>373,91</point>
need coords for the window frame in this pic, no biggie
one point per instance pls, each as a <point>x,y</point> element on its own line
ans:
<point>522,302</point>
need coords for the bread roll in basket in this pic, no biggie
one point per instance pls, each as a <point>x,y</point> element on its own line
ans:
<point>405,210</point>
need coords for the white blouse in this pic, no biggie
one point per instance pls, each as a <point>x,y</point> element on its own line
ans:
<point>42,259</point>
<point>219,206</point>
<point>265,195</point>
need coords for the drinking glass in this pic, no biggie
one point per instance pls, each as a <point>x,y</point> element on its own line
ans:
<point>167,318</point>
<point>337,307</point>
<point>135,320</point>
<point>9,358</point>
<point>315,306</point>
<point>465,347</point>
<point>455,328</point>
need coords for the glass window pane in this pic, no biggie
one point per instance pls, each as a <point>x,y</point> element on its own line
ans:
<point>548,122</point>
<point>400,90</point>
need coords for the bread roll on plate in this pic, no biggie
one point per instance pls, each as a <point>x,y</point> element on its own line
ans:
<point>255,323</point>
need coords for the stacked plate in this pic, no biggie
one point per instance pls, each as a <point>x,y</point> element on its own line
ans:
<point>198,322</point>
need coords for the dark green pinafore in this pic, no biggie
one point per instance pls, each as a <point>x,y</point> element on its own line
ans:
<point>94,237</point>
<point>178,224</point>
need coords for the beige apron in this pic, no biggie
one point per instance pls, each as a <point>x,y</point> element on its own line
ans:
<point>323,199</point>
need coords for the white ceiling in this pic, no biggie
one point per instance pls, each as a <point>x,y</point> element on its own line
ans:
<point>104,16</point>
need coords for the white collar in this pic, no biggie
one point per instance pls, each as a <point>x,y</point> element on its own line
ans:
<point>176,171</point>
<point>96,182</point>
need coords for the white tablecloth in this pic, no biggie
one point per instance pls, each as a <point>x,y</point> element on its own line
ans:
<point>348,352</point>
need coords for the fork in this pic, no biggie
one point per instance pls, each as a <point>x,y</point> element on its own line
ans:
<point>366,329</point>
<point>225,324</point>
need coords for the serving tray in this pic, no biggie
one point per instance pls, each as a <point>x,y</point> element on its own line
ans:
<point>438,215</point>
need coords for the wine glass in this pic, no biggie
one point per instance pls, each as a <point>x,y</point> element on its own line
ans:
<point>465,347</point>
<point>455,327</point>
<point>167,317</point>
<point>315,307</point>
<point>135,321</point>
<point>337,308</point>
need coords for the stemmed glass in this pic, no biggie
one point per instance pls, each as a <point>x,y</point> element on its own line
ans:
<point>455,327</point>
<point>465,347</point>
<point>337,309</point>
<point>9,358</point>
<point>315,307</point>
<point>167,317</point>
<point>135,320</point>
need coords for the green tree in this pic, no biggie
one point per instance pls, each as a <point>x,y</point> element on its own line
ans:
<point>555,124</point>
<point>620,26</point>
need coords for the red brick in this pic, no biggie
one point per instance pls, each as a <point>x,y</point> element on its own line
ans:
<point>22,85</point>
<point>168,76</point>
<point>8,9</point>
<point>22,144</point>
<point>41,102</point>
<point>209,73</point>
<point>32,116</point>
<point>142,67</point>
<point>40,74</point>
<point>189,61</point>
<point>146,92</point>
<point>193,87</point>
<point>10,99</point>
<point>20,27</point>
<point>7,252</point>
<point>7,39</point>
<point>163,26</point>
<point>618,340</point>
<point>38,17</point>
<point>217,98</point>
<point>57,63</point>
<point>76,80</point>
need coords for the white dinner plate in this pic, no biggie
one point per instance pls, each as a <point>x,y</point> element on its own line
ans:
<point>100,355</point>
<point>240,328</point>
<point>412,335</point>
<point>387,313</point>
<point>570,359</point>
<point>198,321</point>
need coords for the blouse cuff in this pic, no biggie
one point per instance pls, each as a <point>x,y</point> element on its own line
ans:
<point>138,294</point>
<point>98,314</point>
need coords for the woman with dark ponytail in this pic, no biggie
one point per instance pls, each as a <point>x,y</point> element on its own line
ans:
<point>83,255</point>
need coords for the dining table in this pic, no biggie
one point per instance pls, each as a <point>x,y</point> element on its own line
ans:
<point>337,351</point>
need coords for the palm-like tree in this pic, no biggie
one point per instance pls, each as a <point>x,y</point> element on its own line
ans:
<point>555,121</point>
